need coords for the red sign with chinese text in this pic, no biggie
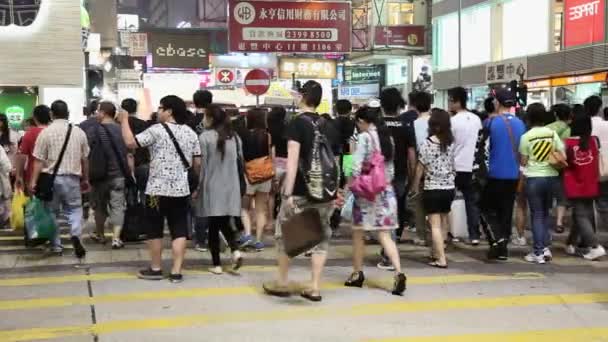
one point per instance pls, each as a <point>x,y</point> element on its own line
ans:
<point>583,22</point>
<point>402,36</point>
<point>289,26</point>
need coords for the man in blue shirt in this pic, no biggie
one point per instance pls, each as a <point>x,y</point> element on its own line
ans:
<point>504,132</point>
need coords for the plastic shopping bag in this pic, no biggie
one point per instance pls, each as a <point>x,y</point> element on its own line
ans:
<point>18,210</point>
<point>39,223</point>
<point>347,209</point>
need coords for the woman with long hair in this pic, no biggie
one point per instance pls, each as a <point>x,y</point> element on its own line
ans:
<point>379,215</point>
<point>581,187</point>
<point>436,164</point>
<point>8,138</point>
<point>221,195</point>
<point>256,144</point>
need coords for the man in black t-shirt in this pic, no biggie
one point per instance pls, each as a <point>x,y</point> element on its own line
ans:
<point>402,131</point>
<point>202,99</point>
<point>345,123</point>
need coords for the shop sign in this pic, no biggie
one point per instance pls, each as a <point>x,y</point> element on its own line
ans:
<point>591,78</point>
<point>364,74</point>
<point>289,26</point>
<point>177,50</point>
<point>538,84</point>
<point>225,77</point>
<point>583,22</point>
<point>400,36</point>
<point>310,68</point>
<point>359,91</point>
<point>507,70</point>
<point>138,44</point>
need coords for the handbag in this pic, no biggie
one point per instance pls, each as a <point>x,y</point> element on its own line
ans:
<point>131,192</point>
<point>193,178</point>
<point>302,232</point>
<point>45,183</point>
<point>372,180</point>
<point>240,169</point>
<point>261,169</point>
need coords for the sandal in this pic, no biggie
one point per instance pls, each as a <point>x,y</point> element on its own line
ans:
<point>273,289</point>
<point>438,265</point>
<point>98,238</point>
<point>308,294</point>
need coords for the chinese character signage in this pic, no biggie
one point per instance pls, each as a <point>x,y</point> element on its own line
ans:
<point>307,68</point>
<point>364,74</point>
<point>361,91</point>
<point>583,22</point>
<point>507,70</point>
<point>401,36</point>
<point>289,26</point>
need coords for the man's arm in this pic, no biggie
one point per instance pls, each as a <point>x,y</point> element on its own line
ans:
<point>84,181</point>
<point>35,175</point>
<point>127,134</point>
<point>19,171</point>
<point>411,163</point>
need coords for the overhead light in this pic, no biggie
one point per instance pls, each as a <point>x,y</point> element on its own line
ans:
<point>184,24</point>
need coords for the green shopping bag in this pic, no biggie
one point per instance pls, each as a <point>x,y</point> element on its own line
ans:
<point>39,223</point>
<point>347,165</point>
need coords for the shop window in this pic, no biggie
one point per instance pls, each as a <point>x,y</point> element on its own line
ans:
<point>525,28</point>
<point>445,42</point>
<point>400,14</point>
<point>475,37</point>
<point>558,24</point>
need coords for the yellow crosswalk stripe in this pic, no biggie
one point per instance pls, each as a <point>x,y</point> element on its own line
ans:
<point>20,237</point>
<point>37,303</point>
<point>316,312</point>
<point>595,334</point>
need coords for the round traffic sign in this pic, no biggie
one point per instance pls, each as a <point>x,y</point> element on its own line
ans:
<point>257,82</point>
<point>225,76</point>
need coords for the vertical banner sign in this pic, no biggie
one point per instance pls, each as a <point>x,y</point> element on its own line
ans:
<point>289,26</point>
<point>583,22</point>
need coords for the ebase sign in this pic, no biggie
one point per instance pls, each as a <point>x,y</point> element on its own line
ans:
<point>179,50</point>
<point>170,51</point>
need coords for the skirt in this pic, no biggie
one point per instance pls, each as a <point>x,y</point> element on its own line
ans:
<point>380,214</point>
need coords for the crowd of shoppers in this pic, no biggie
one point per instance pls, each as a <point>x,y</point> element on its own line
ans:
<point>216,178</point>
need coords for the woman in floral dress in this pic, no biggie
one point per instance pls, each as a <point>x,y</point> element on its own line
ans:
<point>379,215</point>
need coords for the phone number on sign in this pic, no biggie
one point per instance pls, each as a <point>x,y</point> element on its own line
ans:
<point>286,34</point>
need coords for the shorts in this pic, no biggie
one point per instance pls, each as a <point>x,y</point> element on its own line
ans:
<point>301,203</point>
<point>175,209</point>
<point>263,187</point>
<point>108,199</point>
<point>437,201</point>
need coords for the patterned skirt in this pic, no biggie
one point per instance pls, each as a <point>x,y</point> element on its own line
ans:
<point>380,214</point>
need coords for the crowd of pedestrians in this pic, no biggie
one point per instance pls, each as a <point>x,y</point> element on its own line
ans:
<point>383,170</point>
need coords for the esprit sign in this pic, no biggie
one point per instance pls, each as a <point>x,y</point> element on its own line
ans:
<point>289,26</point>
<point>583,22</point>
<point>177,50</point>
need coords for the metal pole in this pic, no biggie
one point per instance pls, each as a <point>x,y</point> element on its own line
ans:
<point>460,42</point>
<point>257,101</point>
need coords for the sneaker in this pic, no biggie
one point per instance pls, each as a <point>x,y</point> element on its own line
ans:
<point>55,250</point>
<point>237,260</point>
<point>79,250</point>
<point>201,248</point>
<point>595,253</point>
<point>117,244</point>
<point>518,240</point>
<point>217,270</point>
<point>259,246</point>
<point>475,242</point>
<point>150,274</point>
<point>386,265</point>
<point>547,254</point>
<point>245,241</point>
<point>536,259</point>
<point>570,250</point>
<point>503,251</point>
<point>98,238</point>
<point>176,278</point>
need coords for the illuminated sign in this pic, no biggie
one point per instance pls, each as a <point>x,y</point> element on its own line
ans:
<point>307,68</point>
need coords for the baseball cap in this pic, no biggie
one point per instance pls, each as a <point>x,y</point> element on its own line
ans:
<point>505,97</point>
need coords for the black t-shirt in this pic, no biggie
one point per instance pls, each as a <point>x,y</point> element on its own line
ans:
<point>280,143</point>
<point>346,127</point>
<point>402,131</point>
<point>195,121</point>
<point>142,155</point>
<point>301,131</point>
<point>255,144</point>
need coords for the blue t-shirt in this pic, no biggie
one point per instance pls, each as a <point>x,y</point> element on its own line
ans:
<point>504,163</point>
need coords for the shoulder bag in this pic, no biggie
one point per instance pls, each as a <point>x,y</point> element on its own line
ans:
<point>240,169</point>
<point>261,169</point>
<point>193,179</point>
<point>130,184</point>
<point>45,184</point>
<point>521,182</point>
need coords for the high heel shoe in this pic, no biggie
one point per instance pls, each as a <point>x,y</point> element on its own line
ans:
<point>356,280</point>
<point>400,284</point>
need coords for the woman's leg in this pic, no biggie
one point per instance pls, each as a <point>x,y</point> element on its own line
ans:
<point>261,213</point>
<point>585,218</point>
<point>521,215</point>
<point>223,223</point>
<point>390,249</point>
<point>214,241</point>
<point>358,250</point>
<point>245,215</point>
<point>437,236</point>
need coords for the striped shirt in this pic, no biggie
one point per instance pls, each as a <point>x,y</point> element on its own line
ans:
<point>49,144</point>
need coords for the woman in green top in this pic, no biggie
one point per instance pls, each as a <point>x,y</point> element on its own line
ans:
<point>536,147</point>
<point>562,113</point>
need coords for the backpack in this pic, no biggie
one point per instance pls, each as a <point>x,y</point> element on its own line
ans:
<point>320,170</point>
<point>372,180</point>
<point>98,161</point>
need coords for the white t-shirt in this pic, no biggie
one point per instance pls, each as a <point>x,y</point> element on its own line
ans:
<point>421,129</point>
<point>599,128</point>
<point>465,128</point>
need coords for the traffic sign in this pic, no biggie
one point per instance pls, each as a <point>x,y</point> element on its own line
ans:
<point>257,82</point>
<point>225,76</point>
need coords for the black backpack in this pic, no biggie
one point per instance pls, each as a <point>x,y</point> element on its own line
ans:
<point>320,169</point>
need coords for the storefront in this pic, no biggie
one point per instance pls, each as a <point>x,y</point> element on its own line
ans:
<point>569,90</point>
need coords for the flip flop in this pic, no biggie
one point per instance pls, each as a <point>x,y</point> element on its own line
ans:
<point>313,298</point>
<point>438,265</point>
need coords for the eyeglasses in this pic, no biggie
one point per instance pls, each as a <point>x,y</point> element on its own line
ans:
<point>161,108</point>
